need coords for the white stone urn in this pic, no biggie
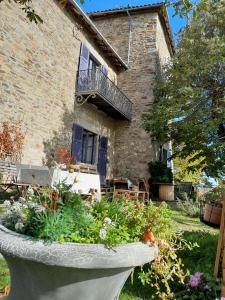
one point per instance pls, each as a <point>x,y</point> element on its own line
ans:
<point>68,271</point>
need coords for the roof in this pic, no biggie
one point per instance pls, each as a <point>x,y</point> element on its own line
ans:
<point>98,38</point>
<point>160,8</point>
<point>125,8</point>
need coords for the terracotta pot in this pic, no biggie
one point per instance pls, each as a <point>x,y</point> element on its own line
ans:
<point>212,214</point>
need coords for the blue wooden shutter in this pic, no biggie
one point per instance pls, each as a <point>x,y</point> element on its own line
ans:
<point>104,70</point>
<point>102,157</point>
<point>84,57</point>
<point>161,153</point>
<point>95,148</point>
<point>77,140</point>
<point>83,68</point>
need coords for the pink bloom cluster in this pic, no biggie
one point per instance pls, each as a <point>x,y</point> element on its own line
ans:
<point>222,298</point>
<point>195,280</point>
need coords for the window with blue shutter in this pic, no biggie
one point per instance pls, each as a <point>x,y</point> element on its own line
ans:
<point>84,145</point>
<point>102,157</point>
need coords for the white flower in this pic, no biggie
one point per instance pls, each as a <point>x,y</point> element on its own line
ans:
<point>102,233</point>
<point>30,190</point>
<point>114,224</point>
<point>107,221</point>
<point>19,226</point>
<point>22,200</point>
<point>39,209</point>
<point>7,203</point>
<point>31,204</point>
<point>16,207</point>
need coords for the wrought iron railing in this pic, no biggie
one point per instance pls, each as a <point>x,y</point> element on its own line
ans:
<point>95,81</point>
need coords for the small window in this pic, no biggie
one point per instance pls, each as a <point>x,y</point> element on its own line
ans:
<point>88,147</point>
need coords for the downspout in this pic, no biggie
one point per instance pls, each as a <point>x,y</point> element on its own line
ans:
<point>130,36</point>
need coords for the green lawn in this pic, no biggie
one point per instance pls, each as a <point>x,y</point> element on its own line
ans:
<point>200,259</point>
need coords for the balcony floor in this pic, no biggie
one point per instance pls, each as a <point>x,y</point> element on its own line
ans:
<point>104,105</point>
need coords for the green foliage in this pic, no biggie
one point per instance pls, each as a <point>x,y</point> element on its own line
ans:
<point>187,205</point>
<point>189,169</point>
<point>167,268</point>
<point>215,195</point>
<point>160,173</point>
<point>26,6</point>
<point>190,93</point>
<point>60,215</point>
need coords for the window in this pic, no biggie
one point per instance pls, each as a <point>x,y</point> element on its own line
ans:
<point>88,147</point>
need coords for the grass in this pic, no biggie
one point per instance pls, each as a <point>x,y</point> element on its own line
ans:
<point>4,274</point>
<point>200,259</point>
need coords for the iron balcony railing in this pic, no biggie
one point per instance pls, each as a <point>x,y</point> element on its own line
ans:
<point>95,81</point>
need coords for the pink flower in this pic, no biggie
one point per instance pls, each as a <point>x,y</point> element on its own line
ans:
<point>91,191</point>
<point>195,280</point>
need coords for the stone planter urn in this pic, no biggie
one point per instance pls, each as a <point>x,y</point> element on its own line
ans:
<point>68,271</point>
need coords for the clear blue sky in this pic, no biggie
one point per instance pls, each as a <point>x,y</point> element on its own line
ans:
<point>94,5</point>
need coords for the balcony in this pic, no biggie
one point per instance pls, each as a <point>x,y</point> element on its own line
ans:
<point>93,86</point>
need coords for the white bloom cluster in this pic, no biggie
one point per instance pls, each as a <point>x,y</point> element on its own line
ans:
<point>107,222</point>
<point>102,233</point>
<point>15,216</point>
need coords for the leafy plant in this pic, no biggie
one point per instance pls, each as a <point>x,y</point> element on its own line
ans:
<point>215,195</point>
<point>188,205</point>
<point>160,173</point>
<point>167,268</point>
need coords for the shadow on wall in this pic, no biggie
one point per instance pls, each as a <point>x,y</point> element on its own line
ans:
<point>61,137</point>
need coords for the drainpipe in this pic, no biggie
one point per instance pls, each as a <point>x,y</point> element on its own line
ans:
<point>130,36</point>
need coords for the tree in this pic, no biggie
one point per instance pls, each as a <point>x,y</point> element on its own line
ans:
<point>189,169</point>
<point>190,93</point>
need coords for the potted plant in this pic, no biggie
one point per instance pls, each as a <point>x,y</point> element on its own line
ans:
<point>162,177</point>
<point>58,246</point>
<point>212,209</point>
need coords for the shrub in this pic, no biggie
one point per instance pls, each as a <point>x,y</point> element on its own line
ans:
<point>160,173</point>
<point>188,205</point>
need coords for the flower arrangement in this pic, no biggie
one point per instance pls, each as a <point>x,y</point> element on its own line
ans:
<point>60,215</point>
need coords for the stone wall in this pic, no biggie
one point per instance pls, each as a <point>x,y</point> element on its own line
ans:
<point>133,146</point>
<point>38,66</point>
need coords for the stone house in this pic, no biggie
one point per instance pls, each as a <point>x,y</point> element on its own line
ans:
<point>83,81</point>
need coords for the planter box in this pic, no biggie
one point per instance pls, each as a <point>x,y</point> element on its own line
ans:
<point>69,271</point>
<point>166,192</point>
<point>212,214</point>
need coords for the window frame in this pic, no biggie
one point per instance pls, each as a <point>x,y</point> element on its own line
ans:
<point>85,147</point>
